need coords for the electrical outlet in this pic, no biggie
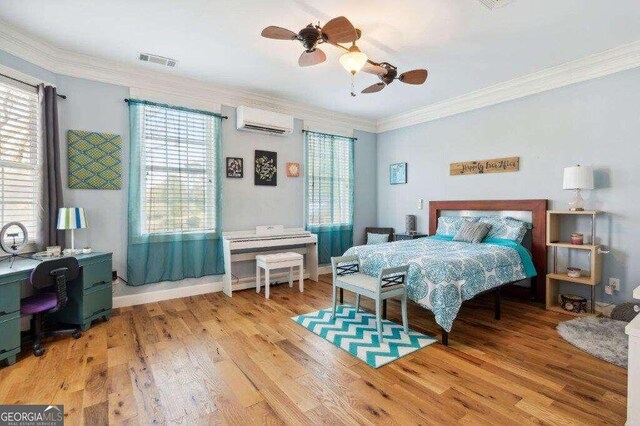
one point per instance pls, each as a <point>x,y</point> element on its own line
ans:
<point>614,283</point>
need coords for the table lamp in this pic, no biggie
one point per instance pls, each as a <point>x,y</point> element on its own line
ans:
<point>577,178</point>
<point>72,218</point>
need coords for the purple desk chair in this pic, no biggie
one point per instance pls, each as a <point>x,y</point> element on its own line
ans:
<point>49,279</point>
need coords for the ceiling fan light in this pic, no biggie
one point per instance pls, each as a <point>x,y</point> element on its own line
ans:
<point>353,60</point>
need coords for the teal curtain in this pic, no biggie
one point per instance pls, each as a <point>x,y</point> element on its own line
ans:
<point>175,199</point>
<point>329,186</point>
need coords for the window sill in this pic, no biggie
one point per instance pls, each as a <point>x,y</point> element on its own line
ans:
<point>175,237</point>
<point>330,227</point>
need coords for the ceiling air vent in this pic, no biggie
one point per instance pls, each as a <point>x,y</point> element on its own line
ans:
<point>156,59</point>
<point>495,4</point>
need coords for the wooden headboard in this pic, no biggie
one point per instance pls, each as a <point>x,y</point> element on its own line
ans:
<point>538,209</point>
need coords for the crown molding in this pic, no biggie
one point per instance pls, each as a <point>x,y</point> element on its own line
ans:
<point>597,65</point>
<point>73,64</point>
<point>79,65</point>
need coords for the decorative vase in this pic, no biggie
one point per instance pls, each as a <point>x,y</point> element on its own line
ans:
<point>577,239</point>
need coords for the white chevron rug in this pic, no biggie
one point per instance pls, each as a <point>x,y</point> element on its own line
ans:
<point>356,333</point>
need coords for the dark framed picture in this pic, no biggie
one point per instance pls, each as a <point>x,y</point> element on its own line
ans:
<point>266,168</point>
<point>235,167</point>
<point>398,173</point>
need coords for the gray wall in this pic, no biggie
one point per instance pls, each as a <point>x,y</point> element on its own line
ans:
<point>592,123</point>
<point>365,207</point>
<point>97,107</point>
<point>246,205</point>
<point>26,67</point>
<point>100,107</point>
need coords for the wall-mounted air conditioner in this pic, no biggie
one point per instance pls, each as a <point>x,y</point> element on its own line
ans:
<point>257,120</point>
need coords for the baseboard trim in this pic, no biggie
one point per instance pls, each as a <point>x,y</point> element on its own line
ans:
<point>324,269</point>
<point>167,294</point>
<point>194,290</point>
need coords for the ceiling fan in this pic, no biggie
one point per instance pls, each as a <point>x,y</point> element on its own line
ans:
<point>341,30</point>
<point>337,30</point>
<point>388,73</point>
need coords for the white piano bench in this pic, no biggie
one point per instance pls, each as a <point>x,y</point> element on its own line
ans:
<point>278,261</point>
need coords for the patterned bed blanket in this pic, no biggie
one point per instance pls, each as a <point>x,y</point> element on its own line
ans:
<point>443,273</point>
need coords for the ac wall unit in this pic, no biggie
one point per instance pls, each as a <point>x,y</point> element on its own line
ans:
<point>257,120</point>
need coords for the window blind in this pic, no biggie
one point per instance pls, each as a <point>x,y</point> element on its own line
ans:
<point>19,157</point>
<point>178,161</point>
<point>329,179</point>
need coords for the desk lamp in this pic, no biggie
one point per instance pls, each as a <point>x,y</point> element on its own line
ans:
<point>72,218</point>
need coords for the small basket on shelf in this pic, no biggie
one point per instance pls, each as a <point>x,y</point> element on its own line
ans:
<point>573,303</point>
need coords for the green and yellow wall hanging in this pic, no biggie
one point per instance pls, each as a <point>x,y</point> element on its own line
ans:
<point>95,160</point>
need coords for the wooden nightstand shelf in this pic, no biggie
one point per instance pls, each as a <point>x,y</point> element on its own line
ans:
<point>589,278</point>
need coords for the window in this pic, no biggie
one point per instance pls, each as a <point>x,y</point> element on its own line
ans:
<point>178,170</point>
<point>19,186</point>
<point>329,180</point>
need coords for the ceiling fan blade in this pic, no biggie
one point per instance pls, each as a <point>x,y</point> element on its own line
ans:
<point>374,88</point>
<point>316,56</point>
<point>278,33</point>
<point>374,69</point>
<point>340,30</point>
<point>413,77</point>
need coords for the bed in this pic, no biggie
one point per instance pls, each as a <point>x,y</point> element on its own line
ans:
<point>444,273</point>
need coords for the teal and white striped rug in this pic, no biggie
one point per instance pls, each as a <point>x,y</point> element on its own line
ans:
<point>356,333</point>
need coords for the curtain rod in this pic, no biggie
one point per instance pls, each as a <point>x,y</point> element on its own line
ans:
<point>224,117</point>
<point>29,84</point>
<point>329,134</point>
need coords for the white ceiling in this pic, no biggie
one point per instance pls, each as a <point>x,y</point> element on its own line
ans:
<point>464,45</point>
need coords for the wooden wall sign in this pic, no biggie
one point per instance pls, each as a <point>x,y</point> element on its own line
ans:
<point>496,165</point>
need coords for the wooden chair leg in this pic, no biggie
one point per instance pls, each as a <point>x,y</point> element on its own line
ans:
<point>334,299</point>
<point>341,295</point>
<point>405,320</point>
<point>257,278</point>
<point>379,318</point>
<point>384,309</point>
<point>266,283</point>
<point>301,278</point>
<point>357,303</point>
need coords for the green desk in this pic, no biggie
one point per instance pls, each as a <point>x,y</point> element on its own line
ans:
<point>90,298</point>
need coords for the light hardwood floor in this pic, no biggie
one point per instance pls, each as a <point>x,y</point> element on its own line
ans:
<point>241,360</point>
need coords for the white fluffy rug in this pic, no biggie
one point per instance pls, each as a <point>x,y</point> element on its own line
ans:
<point>603,338</point>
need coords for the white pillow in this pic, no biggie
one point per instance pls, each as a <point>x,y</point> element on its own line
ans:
<point>377,238</point>
<point>506,228</point>
<point>450,225</point>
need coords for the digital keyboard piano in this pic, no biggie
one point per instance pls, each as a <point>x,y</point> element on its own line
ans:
<point>243,246</point>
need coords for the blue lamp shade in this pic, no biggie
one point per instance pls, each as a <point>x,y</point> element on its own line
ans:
<point>72,218</point>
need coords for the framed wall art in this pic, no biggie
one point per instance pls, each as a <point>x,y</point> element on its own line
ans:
<point>398,173</point>
<point>293,169</point>
<point>94,160</point>
<point>479,167</point>
<point>266,168</point>
<point>235,167</point>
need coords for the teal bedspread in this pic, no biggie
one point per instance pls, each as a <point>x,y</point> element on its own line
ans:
<point>443,273</point>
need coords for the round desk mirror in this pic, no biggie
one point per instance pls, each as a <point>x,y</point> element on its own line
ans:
<point>13,237</point>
